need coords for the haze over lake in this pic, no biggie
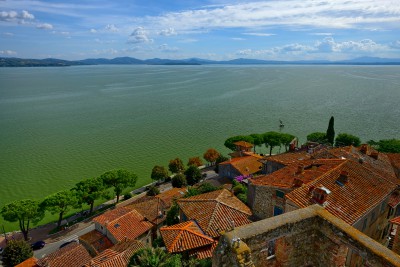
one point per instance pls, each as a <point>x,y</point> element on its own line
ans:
<point>61,125</point>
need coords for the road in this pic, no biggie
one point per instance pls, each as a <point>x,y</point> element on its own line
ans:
<point>51,247</point>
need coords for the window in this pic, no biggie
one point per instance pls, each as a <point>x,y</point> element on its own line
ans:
<point>279,194</point>
<point>277,210</point>
<point>383,206</point>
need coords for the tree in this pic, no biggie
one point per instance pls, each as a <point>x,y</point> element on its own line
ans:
<point>16,252</point>
<point>258,140</point>
<point>211,155</point>
<point>179,180</point>
<point>60,202</point>
<point>153,191</point>
<point>172,215</point>
<point>272,139</point>
<point>388,145</point>
<point>119,179</point>
<point>345,139</point>
<point>24,211</point>
<point>317,137</point>
<point>159,173</point>
<point>176,166</point>
<point>286,139</point>
<point>330,132</point>
<point>229,143</point>
<point>88,190</point>
<point>193,175</point>
<point>196,161</point>
<point>154,257</point>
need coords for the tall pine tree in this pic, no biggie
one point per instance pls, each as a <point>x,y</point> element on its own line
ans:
<point>330,132</point>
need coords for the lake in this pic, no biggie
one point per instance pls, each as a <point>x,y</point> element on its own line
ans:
<point>61,125</point>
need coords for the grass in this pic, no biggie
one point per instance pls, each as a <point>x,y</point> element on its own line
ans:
<point>53,218</point>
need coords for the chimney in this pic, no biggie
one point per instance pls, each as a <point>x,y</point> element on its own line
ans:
<point>364,148</point>
<point>320,194</point>
<point>300,169</point>
<point>297,182</point>
<point>375,154</point>
<point>343,178</point>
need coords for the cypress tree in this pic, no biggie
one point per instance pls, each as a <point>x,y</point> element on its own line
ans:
<point>330,132</point>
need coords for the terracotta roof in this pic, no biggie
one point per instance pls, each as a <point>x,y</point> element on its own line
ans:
<point>111,215</point>
<point>153,208</point>
<point>364,190</point>
<point>73,255</point>
<point>124,222</point>
<point>306,172</point>
<point>31,262</point>
<point>394,159</point>
<point>171,195</point>
<point>381,165</point>
<point>395,220</point>
<point>215,211</point>
<point>204,252</point>
<point>394,199</point>
<point>97,240</point>
<point>184,236</point>
<point>243,144</point>
<point>287,158</point>
<point>117,256</point>
<point>245,165</point>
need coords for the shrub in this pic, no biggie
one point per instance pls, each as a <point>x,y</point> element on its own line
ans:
<point>127,196</point>
<point>179,180</point>
<point>153,191</point>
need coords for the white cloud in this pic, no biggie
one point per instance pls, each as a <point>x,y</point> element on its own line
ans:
<point>188,40</point>
<point>14,16</point>
<point>395,44</point>
<point>139,35</point>
<point>168,32</point>
<point>357,14</point>
<point>238,39</point>
<point>322,33</point>
<point>166,48</point>
<point>8,52</point>
<point>258,34</point>
<point>111,28</point>
<point>8,34</point>
<point>44,26</point>
<point>328,44</point>
<point>93,31</point>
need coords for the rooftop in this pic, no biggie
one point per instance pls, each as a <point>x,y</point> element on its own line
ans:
<point>152,208</point>
<point>215,211</point>
<point>305,172</point>
<point>169,196</point>
<point>184,236</point>
<point>245,165</point>
<point>350,201</point>
<point>97,240</point>
<point>73,255</point>
<point>287,158</point>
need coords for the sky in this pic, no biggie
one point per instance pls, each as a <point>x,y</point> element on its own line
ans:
<point>208,29</point>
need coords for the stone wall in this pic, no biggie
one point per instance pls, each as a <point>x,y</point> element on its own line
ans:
<point>262,199</point>
<point>305,237</point>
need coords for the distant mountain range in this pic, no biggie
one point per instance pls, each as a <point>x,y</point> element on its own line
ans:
<point>53,62</point>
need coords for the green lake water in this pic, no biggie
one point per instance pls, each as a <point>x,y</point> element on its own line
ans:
<point>60,125</point>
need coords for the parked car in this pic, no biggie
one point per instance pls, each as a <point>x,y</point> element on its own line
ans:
<point>67,243</point>
<point>38,245</point>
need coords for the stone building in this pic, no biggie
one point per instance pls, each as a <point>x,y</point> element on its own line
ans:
<point>245,166</point>
<point>305,237</point>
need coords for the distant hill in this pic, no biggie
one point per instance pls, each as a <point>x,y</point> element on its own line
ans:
<point>53,62</point>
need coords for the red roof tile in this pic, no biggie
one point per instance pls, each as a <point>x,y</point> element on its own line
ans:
<point>394,159</point>
<point>395,220</point>
<point>184,236</point>
<point>215,211</point>
<point>118,255</point>
<point>97,240</point>
<point>171,195</point>
<point>306,172</point>
<point>287,158</point>
<point>124,222</point>
<point>364,190</point>
<point>31,262</point>
<point>153,208</point>
<point>243,144</point>
<point>205,252</point>
<point>245,165</point>
<point>73,255</point>
<point>394,200</point>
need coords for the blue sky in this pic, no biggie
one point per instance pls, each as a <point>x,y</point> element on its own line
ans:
<point>210,29</point>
